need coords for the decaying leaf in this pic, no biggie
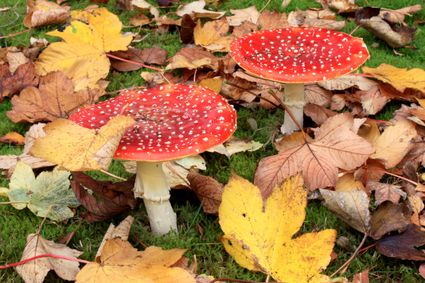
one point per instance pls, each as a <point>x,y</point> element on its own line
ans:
<point>259,235</point>
<point>193,58</point>
<point>387,218</point>
<point>249,14</point>
<point>348,81</point>
<point>313,18</point>
<point>235,145</point>
<point>53,99</point>
<point>82,54</point>
<point>43,12</point>
<point>13,138</point>
<point>35,271</point>
<point>120,262</point>
<point>23,77</point>
<point>153,55</point>
<point>208,190</point>
<point>335,146</point>
<point>351,206</point>
<point>212,35</point>
<point>103,199</point>
<point>399,78</point>
<point>394,143</point>
<point>48,195</point>
<point>347,182</point>
<point>404,245</point>
<point>386,192</point>
<point>79,149</point>
<point>272,20</point>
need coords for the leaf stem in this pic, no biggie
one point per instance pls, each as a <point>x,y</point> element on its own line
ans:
<point>42,256</point>
<point>134,62</point>
<point>401,177</point>
<point>348,262</point>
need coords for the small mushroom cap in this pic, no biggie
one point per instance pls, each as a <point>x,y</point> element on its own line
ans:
<point>172,121</point>
<point>299,55</point>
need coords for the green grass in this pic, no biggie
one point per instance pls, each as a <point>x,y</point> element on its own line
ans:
<point>211,258</point>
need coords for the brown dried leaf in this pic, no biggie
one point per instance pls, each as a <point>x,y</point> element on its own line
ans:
<point>316,95</point>
<point>386,192</point>
<point>404,245</point>
<point>372,100</point>
<point>335,146</point>
<point>249,14</point>
<point>53,99</point>
<point>23,77</point>
<point>35,271</point>
<point>186,29</point>
<point>314,18</point>
<point>272,20</point>
<point>369,131</point>
<point>193,58</point>
<point>196,9</point>
<point>212,35</point>
<point>317,113</point>
<point>13,138</point>
<point>347,182</point>
<point>208,190</point>
<point>106,198</point>
<point>42,12</point>
<point>348,81</point>
<point>15,57</point>
<point>387,218</point>
<point>394,143</point>
<point>153,55</point>
<point>361,277</point>
<point>397,16</point>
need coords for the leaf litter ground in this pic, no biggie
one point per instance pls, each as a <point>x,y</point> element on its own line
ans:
<point>244,164</point>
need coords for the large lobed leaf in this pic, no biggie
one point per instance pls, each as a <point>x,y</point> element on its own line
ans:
<point>335,146</point>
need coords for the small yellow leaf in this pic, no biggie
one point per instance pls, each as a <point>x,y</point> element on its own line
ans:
<point>399,78</point>
<point>82,55</point>
<point>212,35</point>
<point>260,235</point>
<point>78,149</point>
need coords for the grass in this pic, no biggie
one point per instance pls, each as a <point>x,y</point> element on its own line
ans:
<point>211,258</point>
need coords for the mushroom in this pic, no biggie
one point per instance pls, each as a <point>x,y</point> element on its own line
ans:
<point>172,122</point>
<point>296,56</point>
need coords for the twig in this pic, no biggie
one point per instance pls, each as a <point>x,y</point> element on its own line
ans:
<point>348,262</point>
<point>134,62</point>
<point>15,34</point>
<point>42,222</point>
<point>42,256</point>
<point>265,6</point>
<point>401,177</point>
<point>112,175</point>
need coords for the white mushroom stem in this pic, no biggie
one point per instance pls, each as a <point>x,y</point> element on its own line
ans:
<point>152,186</point>
<point>294,100</point>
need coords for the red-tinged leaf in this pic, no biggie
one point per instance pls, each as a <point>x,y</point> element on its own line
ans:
<point>335,146</point>
<point>208,190</point>
<point>23,77</point>
<point>404,245</point>
<point>108,199</point>
<point>154,55</point>
<point>387,218</point>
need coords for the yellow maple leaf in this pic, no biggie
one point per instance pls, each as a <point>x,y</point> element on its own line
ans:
<point>260,235</point>
<point>212,35</point>
<point>76,148</point>
<point>120,262</point>
<point>399,78</point>
<point>82,54</point>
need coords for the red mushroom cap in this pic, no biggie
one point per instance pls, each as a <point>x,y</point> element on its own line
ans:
<point>299,55</point>
<point>172,121</point>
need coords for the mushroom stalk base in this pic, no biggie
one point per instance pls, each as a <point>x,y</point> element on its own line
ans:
<point>294,100</point>
<point>151,184</point>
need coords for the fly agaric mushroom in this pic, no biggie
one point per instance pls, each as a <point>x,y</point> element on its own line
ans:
<point>296,56</point>
<point>172,122</point>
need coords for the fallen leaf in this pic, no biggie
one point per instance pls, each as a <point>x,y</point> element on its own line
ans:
<point>13,138</point>
<point>48,195</point>
<point>372,100</point>
<point>139,20</point>
<point>212,35</point>
<point>259,235</point>
<point>15,58</point>
<point>193,58</point>
<point>405,245</point>
<point>154,55</point>
<point>395,36</point>
<point>335,146</point>
<point>249,14</point>
<point>347,182</point>
<point>120,262</point>
<point>313,18</point>
<point>422,270</point>
<point>82,54</point>
<point>121,231</point>
<point>315,94</point>
<point>9,162</point>
<point>208,190</point>
<point>342,6</point>
<point>369,131</point>
<point>144,5</point>
<point>361,277</point>
<point>196,9</point>
<point>53,99</point>
<point>317,113</point>
<point>397,16</point>
<point>235,145</point>
<point>103,199</point>
<point>387,218</point>
<point>394,143</point>
<point>351,206</point>
<point>399,78</point>
<point>80,149</point>
<point>23,77</point>
<point>212,83</point>
<point>386,192</point>
<point>348,81</point>
<point>42,12</point>
<point>272,20</point>
<point>35,271</point>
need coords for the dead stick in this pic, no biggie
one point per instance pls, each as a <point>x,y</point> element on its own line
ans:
<point>134,62</point>
<point>42,256</point>
<point>347,263</point>
<point>15,34</point>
